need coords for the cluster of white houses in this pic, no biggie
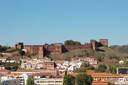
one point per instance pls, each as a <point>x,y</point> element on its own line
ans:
<point>48,72</point>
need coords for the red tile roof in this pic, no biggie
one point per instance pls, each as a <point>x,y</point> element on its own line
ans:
<point>99,83</point>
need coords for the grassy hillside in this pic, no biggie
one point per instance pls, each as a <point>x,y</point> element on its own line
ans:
<point>74,53</point>
<point>120,49</point>
<point>107,55</point>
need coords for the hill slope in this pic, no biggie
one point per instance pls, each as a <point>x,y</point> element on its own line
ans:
<point>107,55</point>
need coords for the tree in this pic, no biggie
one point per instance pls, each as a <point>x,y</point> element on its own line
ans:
<point>112,68</point>
<point>71,42</point>
<point>84,66</point>
<point>100,56</point>
<point>30,81</point>
<point>11,66</point>
<point>69,80</point>
<point>3,48</point>
<point>101,68</point>
<point>83,79</point>
<point>21,52</point>
<point>110,83</point>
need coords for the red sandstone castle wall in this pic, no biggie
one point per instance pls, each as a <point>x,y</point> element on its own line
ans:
<point>34,49</point>
<point>54,48</point>
<point>60,48</point>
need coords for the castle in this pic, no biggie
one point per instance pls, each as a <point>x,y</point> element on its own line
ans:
<point>58,48</point>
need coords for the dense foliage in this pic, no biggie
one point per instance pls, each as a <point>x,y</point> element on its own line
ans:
<point>101,68</point>
<point>10,66</point>
<point>21,52</point>
<point>83,79</point>
<point>30,81</point>
<point>3,48</point>
<point>72,42</point>
<point>69,80</point>
<point>79,79</point>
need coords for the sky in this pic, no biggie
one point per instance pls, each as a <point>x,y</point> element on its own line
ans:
<point>54,21</point>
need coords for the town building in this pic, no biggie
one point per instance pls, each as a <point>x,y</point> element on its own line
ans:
<point>49,81</point>
<point>116,79</point>
<point>37,64</point>
<point>5,80</point>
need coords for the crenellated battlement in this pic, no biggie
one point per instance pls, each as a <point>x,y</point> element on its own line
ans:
<point>58,48</point>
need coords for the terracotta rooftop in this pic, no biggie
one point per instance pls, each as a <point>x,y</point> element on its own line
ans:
<point>99,83</point>
<point>4,70</point>
<point>110,75</point>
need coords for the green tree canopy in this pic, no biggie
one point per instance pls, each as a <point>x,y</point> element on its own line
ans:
<point>69,80</point>
<point>101,68</point>
<point>71,42</point>
<point>21,52</point>
<point>110,83</point>
<point>83,79</point>
<point>3,48</point>
<point>30,81</point>
<point>112,68</point>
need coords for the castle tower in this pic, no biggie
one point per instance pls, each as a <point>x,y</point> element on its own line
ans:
<point>104,42</point>
<point>19,45</point>
<point>93,43</point>
<point>41,52</point>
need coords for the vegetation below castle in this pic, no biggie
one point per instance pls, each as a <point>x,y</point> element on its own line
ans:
<point>79,79</point>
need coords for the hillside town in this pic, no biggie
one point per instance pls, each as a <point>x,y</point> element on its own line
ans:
<point>22,63</point>
<point>63,42</point>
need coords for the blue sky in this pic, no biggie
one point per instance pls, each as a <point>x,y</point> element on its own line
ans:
<point>49,21</point>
